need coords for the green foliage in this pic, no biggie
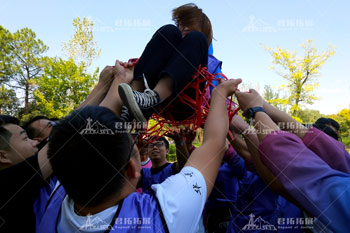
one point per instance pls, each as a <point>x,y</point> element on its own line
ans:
<point>21,63</point>
<point>172,153</point>
<point>274,98</point>
<point>309,116</point>
<point>343,118</point>
<point>62,87</point>
<point>300,72</point>
<point>46,86</point>
<point>81,47</point>
<point>8,101</point>
<point>5,59</point>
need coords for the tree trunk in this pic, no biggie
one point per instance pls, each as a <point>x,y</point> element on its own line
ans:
<point>26,94</point>
<point>297,100</point>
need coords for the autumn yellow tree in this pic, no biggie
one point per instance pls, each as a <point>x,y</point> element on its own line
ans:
<point>301,72</point>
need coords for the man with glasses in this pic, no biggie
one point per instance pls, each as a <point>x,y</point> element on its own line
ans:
<point>99,168</point>
<point>161,168</point>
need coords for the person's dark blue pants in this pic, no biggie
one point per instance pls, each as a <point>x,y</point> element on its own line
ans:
<point>168,53</point>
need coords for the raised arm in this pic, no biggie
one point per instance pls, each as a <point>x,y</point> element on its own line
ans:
<point>207,158</point>
<point>99,92</point>
<point>109,80</point>
<point>328,149</point>
<point>180,139</point>
<point>251,136</point>
<point>285,121</point>
<point>122,74</point>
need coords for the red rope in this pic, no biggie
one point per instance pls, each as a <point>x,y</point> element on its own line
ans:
<point>200,106</point>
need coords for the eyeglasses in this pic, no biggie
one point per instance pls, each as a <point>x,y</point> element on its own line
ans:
<point>155,144</point>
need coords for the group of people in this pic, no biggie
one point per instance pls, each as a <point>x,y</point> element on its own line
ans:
<point>83,174</point>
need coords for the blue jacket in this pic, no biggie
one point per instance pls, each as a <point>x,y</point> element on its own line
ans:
<point>254,197</point>
<point>214,66</point>
<point>148,178</point>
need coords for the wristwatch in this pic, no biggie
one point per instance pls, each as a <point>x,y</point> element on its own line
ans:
<point>250,112</point>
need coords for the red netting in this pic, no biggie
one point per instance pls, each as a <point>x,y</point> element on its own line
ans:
<point>169,116</point>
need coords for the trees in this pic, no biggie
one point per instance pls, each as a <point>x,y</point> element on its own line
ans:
<point>62,87</point>
<point>21,62</point>
<point>31,84</point>
<point>66,83</point>
<point>274,98</point>
<point>8,101</point>
<point>300,72</point>
<point>309,116</point>
<point>81,47</point>
<point>343,118</point>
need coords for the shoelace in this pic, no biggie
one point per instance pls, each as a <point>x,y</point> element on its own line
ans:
<point>148,97</point>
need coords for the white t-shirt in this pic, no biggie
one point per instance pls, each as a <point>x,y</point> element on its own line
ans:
<point>181,198</point>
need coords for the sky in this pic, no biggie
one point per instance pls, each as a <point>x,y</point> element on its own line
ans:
<point>241,29</point>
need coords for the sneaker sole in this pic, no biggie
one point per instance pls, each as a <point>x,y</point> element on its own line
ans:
<point>127,96</point>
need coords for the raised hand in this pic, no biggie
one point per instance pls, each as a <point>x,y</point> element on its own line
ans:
<point>106,76</point>
<point>228,87</point>
<point>124,71</point>
<point>249,99</point>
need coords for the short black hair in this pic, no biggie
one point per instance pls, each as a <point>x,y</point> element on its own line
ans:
<point>88,155</point>
<point>5,135</point>
<point>323,125</point>
<point>327,121</point>
<point>31,131</point>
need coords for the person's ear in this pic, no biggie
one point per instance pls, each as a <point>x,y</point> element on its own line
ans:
<point>133,171</point>
<point>4,157</point>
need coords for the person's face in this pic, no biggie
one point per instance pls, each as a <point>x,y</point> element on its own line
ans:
<point>44,127</point>
<point>21,147</point>
<point>186,29</point>
<point>157,150</point>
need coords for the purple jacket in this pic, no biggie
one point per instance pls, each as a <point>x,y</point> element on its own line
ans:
<point>136,213</point>
<point>312,179</point>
